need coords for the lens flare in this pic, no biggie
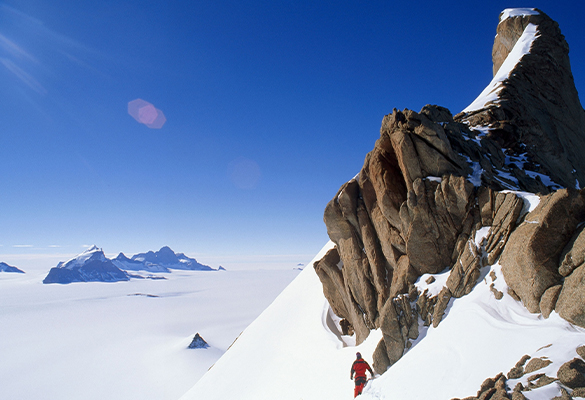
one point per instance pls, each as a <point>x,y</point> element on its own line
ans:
<point>145,113</point>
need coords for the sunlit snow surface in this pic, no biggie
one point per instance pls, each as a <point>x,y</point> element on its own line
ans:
<point>125,340</point>
<point>520,49</point>
<point>517,12</point>
<point>291,351</point>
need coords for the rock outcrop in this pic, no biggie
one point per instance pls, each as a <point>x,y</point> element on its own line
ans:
<point>433,181</point>
<point>531,258</point>
<point>198,342</point>
<point>571,375</point>
<point>9,268</point>
<point>538,117</point>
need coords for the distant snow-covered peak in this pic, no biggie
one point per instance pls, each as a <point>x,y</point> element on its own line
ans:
<point>90,250</point>
<point>517,12</point>
<point>9,268</point>
<point>93,253</point>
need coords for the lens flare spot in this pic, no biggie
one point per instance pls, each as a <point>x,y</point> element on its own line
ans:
<point>244,173</point>
<point>145,113</point>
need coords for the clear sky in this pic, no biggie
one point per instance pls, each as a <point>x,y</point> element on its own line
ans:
<point>270,107</point>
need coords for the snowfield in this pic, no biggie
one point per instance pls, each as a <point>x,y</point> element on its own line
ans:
<point>124,340</point>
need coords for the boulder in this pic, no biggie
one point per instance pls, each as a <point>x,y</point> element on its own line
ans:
<point>535,364</point>
<point>573,255</point>
<point>539,380</point>
<point>581,351</point>
<point>531,257</point>
<point>381,362</point>
<point>516,395</point>
<point>518,370</point>
<point>571,302</point>
<point>549,300</point>
<point>572,373</point>
<point>493,388</point>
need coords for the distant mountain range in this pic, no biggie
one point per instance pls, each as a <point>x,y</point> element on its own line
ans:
<point>93,266</point>
<point>161,261</point>
<point>8,268</point>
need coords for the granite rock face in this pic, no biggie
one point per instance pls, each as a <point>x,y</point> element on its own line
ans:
<point>531,258</point>
<point>437,194</point>
<point>538,116</point>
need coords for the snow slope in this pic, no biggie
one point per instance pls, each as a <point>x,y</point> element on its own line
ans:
<point>520,49</point>
<point>124,340</point>
<point>288,352</point>
<point>293,349</point>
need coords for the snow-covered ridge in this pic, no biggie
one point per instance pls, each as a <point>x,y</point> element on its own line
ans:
<point>299,354</point>
<point>491,91</point>
<point>93,252</point>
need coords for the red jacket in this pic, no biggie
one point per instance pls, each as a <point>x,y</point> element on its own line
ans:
<point>359,367</point>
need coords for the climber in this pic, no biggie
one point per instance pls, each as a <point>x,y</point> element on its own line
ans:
<point>359,367</point>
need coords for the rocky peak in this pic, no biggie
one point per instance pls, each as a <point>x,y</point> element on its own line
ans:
<point>433,195</point>
<point>513,23</point>
<point>536,117</point>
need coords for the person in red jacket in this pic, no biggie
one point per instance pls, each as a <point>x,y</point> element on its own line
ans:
<point>359,368</point>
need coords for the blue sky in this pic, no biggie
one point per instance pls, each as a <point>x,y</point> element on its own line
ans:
<point>270,105</point>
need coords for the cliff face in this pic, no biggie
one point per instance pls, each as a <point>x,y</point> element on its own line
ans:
<point>538,115</point>
<point>434,194</point>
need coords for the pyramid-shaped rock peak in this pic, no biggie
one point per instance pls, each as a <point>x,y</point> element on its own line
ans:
<point>198,342</point>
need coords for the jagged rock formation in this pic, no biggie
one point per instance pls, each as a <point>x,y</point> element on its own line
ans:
<point>90,266</point>
<point>159,261</point>
<point>9,268</point>
<point>431,197</point>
